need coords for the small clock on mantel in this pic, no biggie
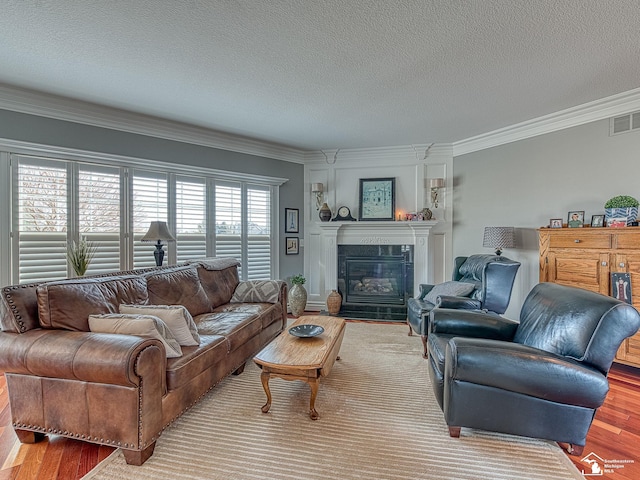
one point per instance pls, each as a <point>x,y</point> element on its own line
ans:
<point>343,214</point>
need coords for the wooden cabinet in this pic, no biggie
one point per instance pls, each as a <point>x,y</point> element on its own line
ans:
<point>586,257</point>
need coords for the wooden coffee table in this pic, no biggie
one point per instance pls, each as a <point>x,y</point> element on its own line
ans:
<point>307,359</point>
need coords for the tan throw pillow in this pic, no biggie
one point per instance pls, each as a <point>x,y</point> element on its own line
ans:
<point>460,289</point>
<point>257,291</point>
<point>177,318</point>
<point>139,325</point>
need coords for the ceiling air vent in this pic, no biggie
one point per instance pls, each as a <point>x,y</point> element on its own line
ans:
<point>625,123</point>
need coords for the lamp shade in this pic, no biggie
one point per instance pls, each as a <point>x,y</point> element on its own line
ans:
<point>317,187</point>
<point>436,182</point>
<point>498,238</point>
<point>158,232</point>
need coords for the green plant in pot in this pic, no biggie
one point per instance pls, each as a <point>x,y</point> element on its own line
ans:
<point>622,206</point>
<point>80,254</point>
<point>297,295</point>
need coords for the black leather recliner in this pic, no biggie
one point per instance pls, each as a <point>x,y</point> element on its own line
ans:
<point>543,377</point>
<point>492,277</point>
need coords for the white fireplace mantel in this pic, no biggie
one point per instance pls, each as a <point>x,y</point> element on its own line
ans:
<point>377,233</point>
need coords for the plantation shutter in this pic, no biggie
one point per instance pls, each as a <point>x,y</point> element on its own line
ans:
<point>40,219</point>
<point>99,215</point>
<point>191,221</point>
<point>228,215</point>
<point>259,232</point>
<point>149,203</point>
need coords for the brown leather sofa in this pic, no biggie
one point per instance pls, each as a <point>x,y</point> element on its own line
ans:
<point>121,390</point>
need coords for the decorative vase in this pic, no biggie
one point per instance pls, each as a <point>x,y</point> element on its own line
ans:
<point>334,302</point>
<point>297,300</point>
<point>324,213</point>
<point>630,213</point>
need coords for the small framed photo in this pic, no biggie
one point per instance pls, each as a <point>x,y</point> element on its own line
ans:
<point>377,199</point>
<point>292,218</point>
<point>621,286</point>
<point>555,223</point>
<point>617,222</point>
<point>597,221</point>
<point>292,247</point>
<point>575,219</point>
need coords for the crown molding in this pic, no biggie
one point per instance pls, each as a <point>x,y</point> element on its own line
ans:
<point>400,154</point>
<point>62,108</point>
<point>607,107</point>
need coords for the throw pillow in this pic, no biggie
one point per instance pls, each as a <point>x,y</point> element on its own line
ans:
<point>140,325</point>
<point>176,317</point>
<point>461,289</point>
<point>257,291</point>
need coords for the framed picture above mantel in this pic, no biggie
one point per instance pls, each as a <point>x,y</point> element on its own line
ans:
<point>377,199</point>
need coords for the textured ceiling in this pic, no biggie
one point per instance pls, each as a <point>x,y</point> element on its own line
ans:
<point>315,74</point>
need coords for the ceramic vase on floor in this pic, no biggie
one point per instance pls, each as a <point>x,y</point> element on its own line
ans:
<point>334,302</point>
<point>297,300</point>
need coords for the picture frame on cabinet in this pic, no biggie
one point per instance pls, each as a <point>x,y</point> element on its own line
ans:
<point>575,219</point>
<point>292,246</point>
<point>621,286</point>
<point>555,223</point>
<point>616,222</point>
<point>597,221</point>
<point>292,219</point>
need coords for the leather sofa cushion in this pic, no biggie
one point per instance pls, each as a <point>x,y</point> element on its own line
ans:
<point>178,286</point>
<point>195,360</point>
<point>219,284</point>
<point>19,308</point>
<point>67,304</point>
<point>237,327</point>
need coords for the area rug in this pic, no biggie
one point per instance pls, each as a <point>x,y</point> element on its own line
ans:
<point>378,420</point>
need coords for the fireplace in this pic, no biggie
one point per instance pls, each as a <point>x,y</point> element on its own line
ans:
<point>375,281</point>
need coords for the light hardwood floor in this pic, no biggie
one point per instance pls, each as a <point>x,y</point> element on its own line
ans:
<point>614,435</point>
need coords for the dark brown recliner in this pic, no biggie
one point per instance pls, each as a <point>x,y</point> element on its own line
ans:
<point>492,279</point>
<point>542,377</point>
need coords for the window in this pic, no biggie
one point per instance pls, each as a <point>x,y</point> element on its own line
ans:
<point>40,220</point>
<point>149,203</point>
<point>99,215</point>
<point>59,200</point>
<point>191,218</point>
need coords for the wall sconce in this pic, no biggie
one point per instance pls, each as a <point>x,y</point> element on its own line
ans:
<point>435,184</point>
<point>318,188</point>
<point>498,238</point>
<point>159,233</point>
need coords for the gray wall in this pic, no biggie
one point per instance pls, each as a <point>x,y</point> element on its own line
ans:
<point>525,183</point>
<point>46,131</point>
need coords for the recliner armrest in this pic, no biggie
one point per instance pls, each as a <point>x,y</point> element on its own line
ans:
<point>526,370</point>
<point>464,303</point>
<point>471,323</point>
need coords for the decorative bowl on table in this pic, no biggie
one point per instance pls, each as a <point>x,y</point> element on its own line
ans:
<point>306,330</point>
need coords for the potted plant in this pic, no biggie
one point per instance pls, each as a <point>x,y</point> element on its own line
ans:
<point>80,254</point>
<point>622,206</point>
<point>297,295</point>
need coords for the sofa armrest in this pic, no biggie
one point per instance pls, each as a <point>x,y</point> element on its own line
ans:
<point>85,356</point>
<point>471,323</point>
<point>526,370</point>
<point>464,303</point>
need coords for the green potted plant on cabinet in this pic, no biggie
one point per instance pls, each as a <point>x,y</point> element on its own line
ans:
<point>622,206</point>
<point>80,254</point>
<point>297,295</point>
